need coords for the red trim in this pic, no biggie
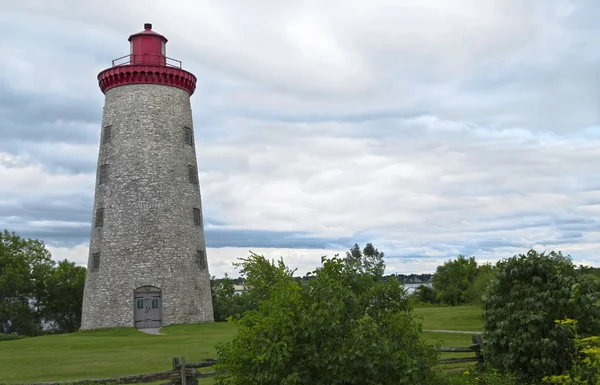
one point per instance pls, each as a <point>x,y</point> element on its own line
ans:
<point>146,74</point>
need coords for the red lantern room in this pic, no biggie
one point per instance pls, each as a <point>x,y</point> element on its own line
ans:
<point>148,47</point>
<point>147,63</point>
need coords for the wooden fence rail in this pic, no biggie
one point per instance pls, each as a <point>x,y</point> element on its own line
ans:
<point>186,373</point>
<point>476,348</point>
<point>182,373</point>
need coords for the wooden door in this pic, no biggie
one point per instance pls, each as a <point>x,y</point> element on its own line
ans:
<point>148,310</point>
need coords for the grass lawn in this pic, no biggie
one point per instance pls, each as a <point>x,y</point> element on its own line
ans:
<point>107,353</point>
<point>117,352</point>
<point>451,318</point>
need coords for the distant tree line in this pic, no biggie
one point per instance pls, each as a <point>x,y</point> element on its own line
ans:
<point>462,281</point>
<point>37,295</point>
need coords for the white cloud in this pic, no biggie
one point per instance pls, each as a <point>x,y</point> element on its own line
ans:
<point>21,177</point>
<point>77,254</point>
<point>430,128</point>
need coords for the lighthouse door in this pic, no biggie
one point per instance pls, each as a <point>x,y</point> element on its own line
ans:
<point>147,310</point>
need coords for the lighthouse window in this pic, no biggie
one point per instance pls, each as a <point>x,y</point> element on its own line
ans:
<point>99,217</point>
<point>201,259</point>
<point>188,136</point>
<point>103,174</point>
<point>95,261</point>
<point>197,217</point>
<point>193,174</point>
<point>106,135</point>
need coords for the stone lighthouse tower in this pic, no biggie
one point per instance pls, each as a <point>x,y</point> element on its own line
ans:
<point>147,265</point>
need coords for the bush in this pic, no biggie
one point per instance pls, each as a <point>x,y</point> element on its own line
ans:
<point>488,377</point>
<point>259,273</point>
<point>342,327</point>
<point>10,336</point>
<point>585,360</point>
<point>520,306</point>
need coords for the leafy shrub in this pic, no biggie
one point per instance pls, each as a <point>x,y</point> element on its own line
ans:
<point>585,359</point>
<point>259,273</point>
<point>488,377</point>
<point>345,326</point>
<point>10,336</point>
<point>520,306</point>
<point>477,376</point>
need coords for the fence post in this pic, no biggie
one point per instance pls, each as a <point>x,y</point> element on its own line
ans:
<point>183,373</point>
<point>478,340</point>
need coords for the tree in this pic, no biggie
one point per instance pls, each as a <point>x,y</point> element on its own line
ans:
<point>425,293</point>
<point>260,275</point>
<point>64,299</point>
<point>344,326</point>
<point>485,274</point>
<point>36,294</point>
<point>521,305</point>
<point>451,281</point>
<point>225,302</point>
<point>25,267</point>
<point>369,260</point>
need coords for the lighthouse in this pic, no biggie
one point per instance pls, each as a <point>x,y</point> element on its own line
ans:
<point>147,263</point>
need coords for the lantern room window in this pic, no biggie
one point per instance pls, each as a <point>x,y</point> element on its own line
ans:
<point>164,49</point>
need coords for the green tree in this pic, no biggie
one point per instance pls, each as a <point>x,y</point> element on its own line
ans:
<point>485,274</point>
<point>521,305</point>
<point>25,267</point>
<point>260,274</point>
<point>223,294</point>
<point>344,326</point>
<point>369,260</point>
<point>64,298</point>
<point>425,293</point>
<point>452,280</point>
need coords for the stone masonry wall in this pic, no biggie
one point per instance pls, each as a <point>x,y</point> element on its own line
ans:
<point>148,236</point>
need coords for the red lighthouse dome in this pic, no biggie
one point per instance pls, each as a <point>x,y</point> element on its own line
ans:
<point>147,63</point>
<point>148,47</point>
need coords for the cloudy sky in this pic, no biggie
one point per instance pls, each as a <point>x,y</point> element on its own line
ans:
<point>430,128</point>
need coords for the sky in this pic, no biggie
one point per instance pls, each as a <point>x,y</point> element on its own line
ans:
<point>429,128</point>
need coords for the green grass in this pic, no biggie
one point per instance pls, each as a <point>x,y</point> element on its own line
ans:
<point>107,353</point>
<point>118,352</point>
<point>451,318</point>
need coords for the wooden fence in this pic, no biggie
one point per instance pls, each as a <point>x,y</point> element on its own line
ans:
<point>183,373</point>
<point>476,347</point>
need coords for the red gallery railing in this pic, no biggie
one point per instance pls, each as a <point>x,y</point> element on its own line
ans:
<point>147,59</point>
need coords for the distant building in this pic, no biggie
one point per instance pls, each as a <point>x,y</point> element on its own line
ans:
<point>239,289</point>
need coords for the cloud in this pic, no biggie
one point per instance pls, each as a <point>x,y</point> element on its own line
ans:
<point>429,128</point>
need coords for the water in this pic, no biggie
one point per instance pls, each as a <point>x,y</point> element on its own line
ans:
<point>410,287</point>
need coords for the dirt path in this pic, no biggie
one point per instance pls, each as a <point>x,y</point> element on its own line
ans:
<point>452,331</point>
